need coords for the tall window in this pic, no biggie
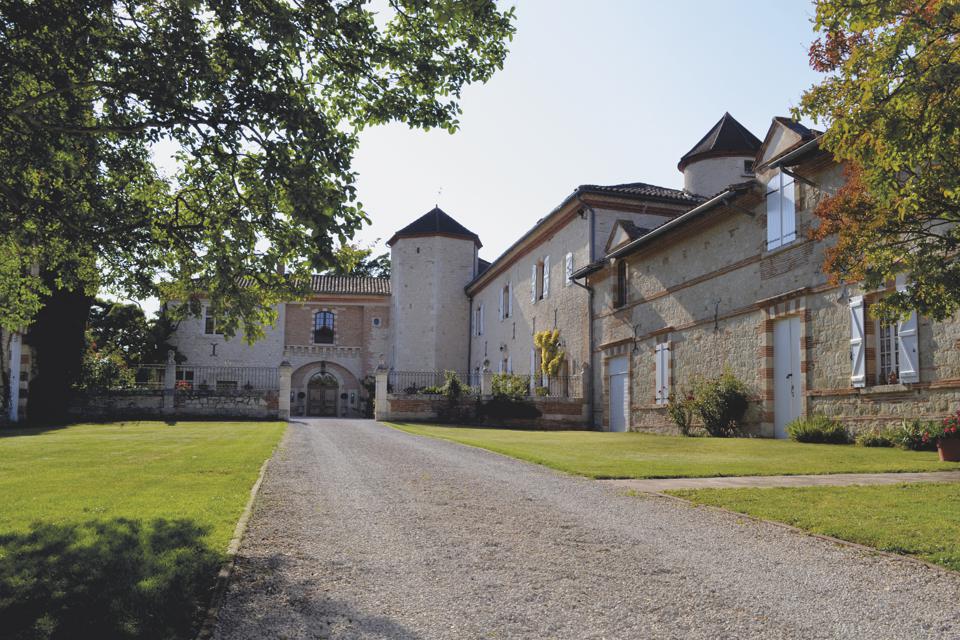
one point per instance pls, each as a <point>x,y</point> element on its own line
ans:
<point>888,352</point>
<point>621,294</point>
<point>210,323</point>
<point>781,211</point>
<point>323,327</point>
<point>506,305</point>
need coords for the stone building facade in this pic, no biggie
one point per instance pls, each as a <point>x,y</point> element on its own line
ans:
<point>736,284</point>
<point>650,288</point>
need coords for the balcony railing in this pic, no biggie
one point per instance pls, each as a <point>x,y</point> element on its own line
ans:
<point>324,350</point>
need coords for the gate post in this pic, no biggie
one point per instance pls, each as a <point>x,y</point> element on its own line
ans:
<point>285,371</point>
<point>380,408</point>
<point>170,383</point>
<point>486,382</point>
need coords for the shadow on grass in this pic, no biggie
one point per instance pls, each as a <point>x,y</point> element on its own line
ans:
<point>106,579</point>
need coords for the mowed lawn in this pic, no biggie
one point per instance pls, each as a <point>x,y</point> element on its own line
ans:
<point>597,454</point>
<point>921,520</point>
<point>118,530</point>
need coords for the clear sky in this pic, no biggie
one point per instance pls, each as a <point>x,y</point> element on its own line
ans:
<point>592,92</point>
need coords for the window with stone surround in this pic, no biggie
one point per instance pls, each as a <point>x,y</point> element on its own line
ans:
<point>620,297</point>
<point>323,327</point>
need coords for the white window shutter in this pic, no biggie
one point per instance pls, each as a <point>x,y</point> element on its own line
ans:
<point>568,270</point>
<point>658,377</point>
<point>909,345</point>
<point>510,299</point>
<point>500,366</point>
<point>773,213</point>
<point>665,355</point>
<point>788,209</point>
<point>509,364</point>
<point>533,282</point>
<point>500,305</point>
<point>546,276</point>
<point>858,376</point>
<point>481,318</point>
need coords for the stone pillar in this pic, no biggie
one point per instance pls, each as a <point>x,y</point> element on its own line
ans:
<point>486,382</point>
<point>286,370</point>
<point>170,383</point>
<point>380,408</point>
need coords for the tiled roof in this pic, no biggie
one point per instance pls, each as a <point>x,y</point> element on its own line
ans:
<point>435,221</point>
<point>633,231</point>
<point>727,137</point>
<point>350,285</point>
<point>641,189</point>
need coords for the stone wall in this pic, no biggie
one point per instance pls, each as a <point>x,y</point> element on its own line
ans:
<point>145,403</point>
<point>556,413</point>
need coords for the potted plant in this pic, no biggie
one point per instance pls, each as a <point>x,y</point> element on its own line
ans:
<point>947,437</point>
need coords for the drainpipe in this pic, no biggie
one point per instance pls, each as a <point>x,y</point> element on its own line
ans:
<point>588,384</point>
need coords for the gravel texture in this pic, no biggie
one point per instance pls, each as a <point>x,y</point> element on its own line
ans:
<point>362,531</point>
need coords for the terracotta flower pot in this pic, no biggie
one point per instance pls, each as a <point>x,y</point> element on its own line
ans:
<point>949,449</point>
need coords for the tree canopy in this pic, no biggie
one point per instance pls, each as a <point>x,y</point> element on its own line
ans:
<point>891,100</point>
<point>264,102</point>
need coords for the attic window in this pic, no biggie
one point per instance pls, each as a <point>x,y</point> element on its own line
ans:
<point>748,167</point>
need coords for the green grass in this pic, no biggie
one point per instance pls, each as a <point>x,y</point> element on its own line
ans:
<point>117,530</point>
<point>921,520</point>
<point>638,455</point>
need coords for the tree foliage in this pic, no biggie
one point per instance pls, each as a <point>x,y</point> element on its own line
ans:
<point>355,260</point>
<point>891,99</point>
<point>264,102</point>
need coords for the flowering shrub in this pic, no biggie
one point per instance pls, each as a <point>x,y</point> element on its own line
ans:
<point>915,436</point>
<point>948,429</point>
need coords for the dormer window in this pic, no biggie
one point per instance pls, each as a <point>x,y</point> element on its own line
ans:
<point>323,330</point>
<point>748,167</point>
<point>781,211</point>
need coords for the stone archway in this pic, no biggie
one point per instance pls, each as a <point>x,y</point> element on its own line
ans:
<point>323,394</point>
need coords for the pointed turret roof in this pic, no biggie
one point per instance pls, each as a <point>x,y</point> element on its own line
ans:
<point>435,222</point>
<point>726,138</point>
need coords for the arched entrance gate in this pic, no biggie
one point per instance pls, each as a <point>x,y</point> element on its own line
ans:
<point>323,391</point>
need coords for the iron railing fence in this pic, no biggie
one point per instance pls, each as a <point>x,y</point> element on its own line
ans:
<point>207,378</point>
<point>420,382</point>
<point>542,386</point>
<point>427,382</point>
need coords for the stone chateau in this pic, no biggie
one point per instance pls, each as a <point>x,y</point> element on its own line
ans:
<point>649,287</point>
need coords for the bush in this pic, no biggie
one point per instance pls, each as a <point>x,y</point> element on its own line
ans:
<point>914,436</point>
<point>681,408</point>
<point>510,385</point>
<point>818,429</point>
<point>721,403</point>
<point>877,438</point>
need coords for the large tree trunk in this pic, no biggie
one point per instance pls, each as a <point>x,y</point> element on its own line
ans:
<point>57,338</point>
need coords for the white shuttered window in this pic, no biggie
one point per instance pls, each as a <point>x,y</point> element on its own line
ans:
<point>909,348</point>
<point>858,371</point>
<point>546,276</point>
<point>781,211</point>
<point>662,359</point>
<point>568,270</point>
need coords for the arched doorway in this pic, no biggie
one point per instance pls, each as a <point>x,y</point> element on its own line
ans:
<point>323,390</point>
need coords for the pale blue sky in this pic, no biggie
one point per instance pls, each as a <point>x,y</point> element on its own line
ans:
<point>601,92</point>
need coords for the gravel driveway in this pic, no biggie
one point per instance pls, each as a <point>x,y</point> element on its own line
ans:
<point>362,531</point>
